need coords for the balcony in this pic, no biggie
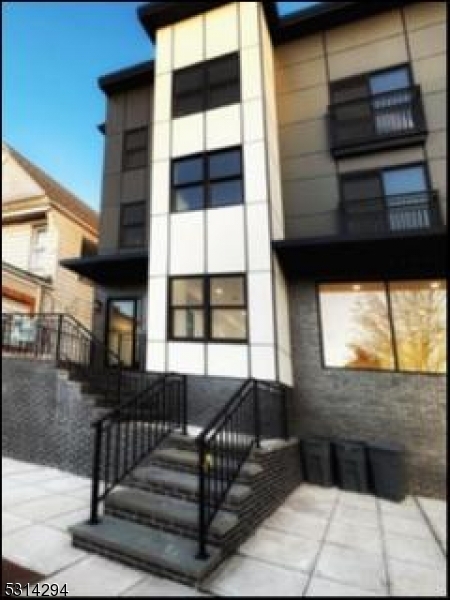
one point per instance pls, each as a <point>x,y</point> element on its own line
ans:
<point>399,236</point>
<point>381,121</point>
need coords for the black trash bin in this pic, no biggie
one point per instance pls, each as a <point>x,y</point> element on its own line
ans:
<point>351,460</point>
<point>317,463</point>
<point>387,471</point>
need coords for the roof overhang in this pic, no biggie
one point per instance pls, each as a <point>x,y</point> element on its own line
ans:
<point>111,270</point>
<point>127,79</point>
<point>400,257</point>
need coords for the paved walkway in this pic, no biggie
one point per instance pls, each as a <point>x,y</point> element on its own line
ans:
<point>322,542</point>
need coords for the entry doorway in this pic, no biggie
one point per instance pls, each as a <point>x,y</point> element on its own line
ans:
<point>122,338</point>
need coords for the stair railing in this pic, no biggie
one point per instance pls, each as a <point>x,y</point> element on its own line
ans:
<point>226,443</point>
<point>128,434</point>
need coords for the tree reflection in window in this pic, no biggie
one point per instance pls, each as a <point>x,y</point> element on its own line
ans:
<point>359,330</point>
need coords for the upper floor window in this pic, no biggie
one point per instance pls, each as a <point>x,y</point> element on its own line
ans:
<point>372,106</point>
<point>132,225</point>
<point>135,149</point>
<point>206,86</point>
<point>392,199</point>
<point>207,181</point>
<point>38,258</point>
<point>208,309</point>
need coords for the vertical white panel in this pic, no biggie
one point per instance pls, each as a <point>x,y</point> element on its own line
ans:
<point>258,238</point>
<point>221,26</point>
<point>156,357</point>
<point>157,309</point>
<point>285,368</point>
<point>226,240</point>
<point>252,86</point>
<point>163,50</point>
<point>162,98</point>
<point>187,252</point>
<point>158,246</point>
<point>228,360</point>
<point>263,362</point>
<point>187,358</point>
<point>260,306</point>
<point>188,42</point>
<point>253,121</point>
<point>223,127</point>
<point>161,141</point>
<point>282,305</point>
<point>249,24</point>
<point>188,135</point>
<point>160,203</point>
<point>255,173</point>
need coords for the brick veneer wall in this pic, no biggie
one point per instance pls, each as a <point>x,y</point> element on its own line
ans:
<point>45,418</point>
<point>372,406</point>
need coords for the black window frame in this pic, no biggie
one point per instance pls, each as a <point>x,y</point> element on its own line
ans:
<point>127,152</point>
<point>208,308</point>
<point>378,172</point>
<point>365,81</point>
<point>123,226</point>
<point>386,284</point>
<point>137,302</point>
<point>204,90</point>
<point>207,182</point>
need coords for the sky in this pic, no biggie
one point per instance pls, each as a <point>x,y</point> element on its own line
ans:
<point>52,56</point>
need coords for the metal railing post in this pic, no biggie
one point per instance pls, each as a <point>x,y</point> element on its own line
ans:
<point>185,404</point>
<point>59,337</point>
<point>94,520</point>
<point>202,554</point>
<point>257,416</point>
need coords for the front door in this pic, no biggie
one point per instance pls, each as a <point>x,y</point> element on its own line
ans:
<point>122,325</point>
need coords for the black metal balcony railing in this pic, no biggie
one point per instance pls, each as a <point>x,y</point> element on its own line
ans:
<point>371,121</point>
<point>399,213</point>
<point>370,218</point>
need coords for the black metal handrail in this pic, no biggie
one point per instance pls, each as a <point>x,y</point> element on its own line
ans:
<point>387,114</point>
<point>225,444</point>
<point>128,434</point>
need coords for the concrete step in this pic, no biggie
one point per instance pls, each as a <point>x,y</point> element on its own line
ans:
<point>178,484</point>
<point>158,552</point>
<point>171,514</point>
<point>187,460</point>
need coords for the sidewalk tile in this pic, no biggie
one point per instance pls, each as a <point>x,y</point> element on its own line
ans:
<point>242,576</point>
<point>344,533</point>
<point>41,509</point>
<point>414,550</point>
<point>408,579</point>
<point>297,523</point>
<point>12,523</point>
<point>325,588</point>
<point>154,587</point>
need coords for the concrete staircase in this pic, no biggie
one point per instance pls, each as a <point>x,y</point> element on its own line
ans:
<point>151,521</point>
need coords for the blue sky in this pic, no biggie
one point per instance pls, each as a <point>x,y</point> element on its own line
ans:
<point>53,54</point>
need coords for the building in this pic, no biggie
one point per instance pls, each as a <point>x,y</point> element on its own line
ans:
<point>274,207</point>
<point>43,223</point>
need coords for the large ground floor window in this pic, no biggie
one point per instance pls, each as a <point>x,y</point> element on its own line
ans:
<point>122,336</point>
<point>208,309</point>
<point>393,326</point>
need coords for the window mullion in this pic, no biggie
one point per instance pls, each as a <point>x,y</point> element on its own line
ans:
<point>387,288</point>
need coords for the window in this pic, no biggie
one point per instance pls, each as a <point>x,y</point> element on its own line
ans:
<point>373,106</point>
<point>135,149</point>
<point>122,339</point>
<point>394,199</point>
<point>206,86</point>
<point>207,181</point>
<point>133,225</point>
<point>400,326</point>
<point>208,309</point>
<point>38,256</point>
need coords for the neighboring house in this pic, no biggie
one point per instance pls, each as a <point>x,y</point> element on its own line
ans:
<point>43,223</point>
<point>274,206</point>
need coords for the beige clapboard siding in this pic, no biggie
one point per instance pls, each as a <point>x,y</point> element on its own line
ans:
<point>16,241</point>
<point>72,295</point>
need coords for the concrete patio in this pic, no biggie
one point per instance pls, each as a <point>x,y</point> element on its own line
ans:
<point>321,542</point>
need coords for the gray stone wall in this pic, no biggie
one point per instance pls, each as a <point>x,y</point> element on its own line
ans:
<point>371,406</point>
<point>45,418</point>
